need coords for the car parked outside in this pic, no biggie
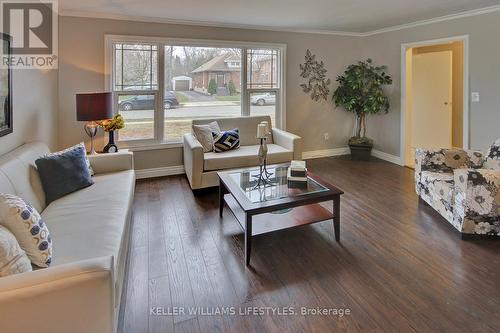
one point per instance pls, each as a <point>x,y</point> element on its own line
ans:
<point>146,102</point>
<point>263,99</point>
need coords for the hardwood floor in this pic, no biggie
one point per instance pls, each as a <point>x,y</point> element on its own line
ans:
<point>399,265</point>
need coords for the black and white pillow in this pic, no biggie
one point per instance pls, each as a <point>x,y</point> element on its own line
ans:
<point>226,140</point>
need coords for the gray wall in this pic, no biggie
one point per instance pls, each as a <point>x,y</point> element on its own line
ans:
<point>35,108</point>
<point>81,66</point>
<point>484,71</point>
<point>81,56</point>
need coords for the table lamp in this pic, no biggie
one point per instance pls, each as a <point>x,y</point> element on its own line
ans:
<point>91,108</point>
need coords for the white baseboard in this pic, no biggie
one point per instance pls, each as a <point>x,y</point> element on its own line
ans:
<point>345,151</point>
<point>325,153</point>
<point>179,169</point>
<point>386,157</point>
<point>159,172</point>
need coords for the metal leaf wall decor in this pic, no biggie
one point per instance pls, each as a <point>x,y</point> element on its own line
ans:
<point>315,73</point>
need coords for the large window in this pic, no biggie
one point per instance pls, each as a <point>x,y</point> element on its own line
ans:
<point>160,86</point>
<point>205,83</point>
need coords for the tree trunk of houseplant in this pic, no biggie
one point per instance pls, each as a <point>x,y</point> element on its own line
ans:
<point>360,146</point>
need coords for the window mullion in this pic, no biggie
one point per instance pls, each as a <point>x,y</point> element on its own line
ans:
<point>160,110</point>
<point>245,100</point>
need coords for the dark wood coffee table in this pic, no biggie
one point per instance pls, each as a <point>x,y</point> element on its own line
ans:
<point>276,207</point>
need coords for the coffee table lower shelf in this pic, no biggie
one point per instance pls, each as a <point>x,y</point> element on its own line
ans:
<point>269,222</point>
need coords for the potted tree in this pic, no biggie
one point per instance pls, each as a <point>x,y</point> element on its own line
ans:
<point>360,91</point>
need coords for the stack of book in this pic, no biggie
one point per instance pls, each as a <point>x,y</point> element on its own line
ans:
<point>297,175</point>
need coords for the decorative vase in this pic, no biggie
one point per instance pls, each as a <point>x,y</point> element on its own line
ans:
<point>111,147</point>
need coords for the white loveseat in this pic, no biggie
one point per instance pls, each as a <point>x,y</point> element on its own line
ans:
<point>201,168</point>
<point>80,291</point>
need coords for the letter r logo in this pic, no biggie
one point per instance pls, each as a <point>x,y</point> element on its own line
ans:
<point>30,25</point>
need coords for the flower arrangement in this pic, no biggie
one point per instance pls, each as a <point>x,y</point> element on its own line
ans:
<point>113,124</point>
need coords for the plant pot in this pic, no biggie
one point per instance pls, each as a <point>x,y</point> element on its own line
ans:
<point>360,152</point>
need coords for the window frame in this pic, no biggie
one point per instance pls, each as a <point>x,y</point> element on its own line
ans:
<point>158,141</point>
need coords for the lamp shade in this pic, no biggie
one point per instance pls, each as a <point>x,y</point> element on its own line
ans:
<point>94,106</point>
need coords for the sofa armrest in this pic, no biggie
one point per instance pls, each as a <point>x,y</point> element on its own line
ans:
<point>76,297</point>
<point>193,159</point>
<point>477,201</point>
<point>446,160</point>
<point>289,141</point>
<point>112,162</point>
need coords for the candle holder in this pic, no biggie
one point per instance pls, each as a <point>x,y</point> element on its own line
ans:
<point>263,176</point>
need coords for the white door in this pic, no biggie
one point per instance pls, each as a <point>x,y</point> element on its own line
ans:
<point>431,94</point>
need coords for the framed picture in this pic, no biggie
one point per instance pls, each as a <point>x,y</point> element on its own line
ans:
<point>5,87</point>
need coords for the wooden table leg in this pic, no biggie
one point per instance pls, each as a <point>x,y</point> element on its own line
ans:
<point>222,190</point>
<point>248,238</point>
<point>336,217</point>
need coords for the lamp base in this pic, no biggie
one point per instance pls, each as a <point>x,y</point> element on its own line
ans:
<point>91,130</point>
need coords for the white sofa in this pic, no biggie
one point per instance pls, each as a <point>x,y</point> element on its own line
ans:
<point>201,168</point>
<point>80,291</point>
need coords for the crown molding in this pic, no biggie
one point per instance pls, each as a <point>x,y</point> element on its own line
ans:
<point>101,15</point>
<point>122,17</point>
<point>473,12</point>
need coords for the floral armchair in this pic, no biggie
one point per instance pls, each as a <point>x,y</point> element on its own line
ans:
<point>463,186</point>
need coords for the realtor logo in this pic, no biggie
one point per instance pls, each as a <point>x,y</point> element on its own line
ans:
<point>32,26</point>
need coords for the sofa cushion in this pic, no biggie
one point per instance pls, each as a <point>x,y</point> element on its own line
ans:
<point>246,156</point>
<point>64,172</point>
<point>13,259</point>
<point>203,134</point>
<point>18,173</point>
<point>226,140</point>
<point>91,223</point>
<point>29,228</point>
<point>247,126</point>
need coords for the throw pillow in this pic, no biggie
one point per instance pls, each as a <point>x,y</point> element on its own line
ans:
<point>492,160</point>
<point>226,140</point>
<point>27,225</point>
<point>203,134</point>
<point>13,259</point>
<point>63,172</point>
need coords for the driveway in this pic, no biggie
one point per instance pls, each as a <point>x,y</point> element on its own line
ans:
<point>194,96</point>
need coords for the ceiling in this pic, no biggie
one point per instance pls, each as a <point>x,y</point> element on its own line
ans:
<point>357,16</point>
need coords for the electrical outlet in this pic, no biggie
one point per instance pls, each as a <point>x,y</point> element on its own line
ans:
<point>326,136</point>
<point>475,97</point>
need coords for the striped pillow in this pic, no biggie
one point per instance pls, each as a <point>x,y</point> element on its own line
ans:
<point>226,140</point>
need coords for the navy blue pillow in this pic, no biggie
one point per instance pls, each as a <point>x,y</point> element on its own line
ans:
<point>226,140</point>
<point>64,172</point>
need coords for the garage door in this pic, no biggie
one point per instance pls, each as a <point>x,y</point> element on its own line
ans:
<point>182,85</point>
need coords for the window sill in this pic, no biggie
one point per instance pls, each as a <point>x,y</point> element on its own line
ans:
<point>152,146</point>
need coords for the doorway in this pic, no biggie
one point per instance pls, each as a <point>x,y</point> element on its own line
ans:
<point>434,99</point>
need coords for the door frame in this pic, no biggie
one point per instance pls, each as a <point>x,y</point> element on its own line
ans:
<point>466,106</point>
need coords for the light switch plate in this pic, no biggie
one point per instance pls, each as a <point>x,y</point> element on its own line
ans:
<point>475,97</point>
